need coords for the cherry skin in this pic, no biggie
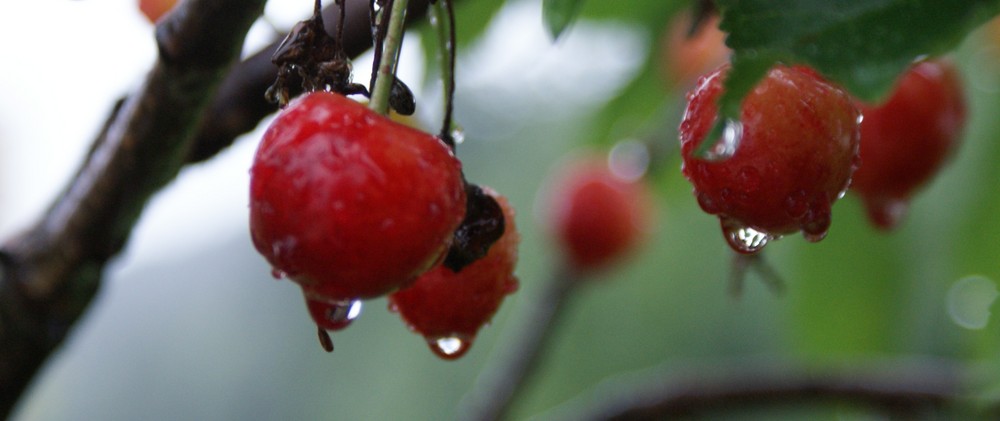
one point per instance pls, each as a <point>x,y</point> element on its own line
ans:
<point>781,169</point>
<point>448,308</point>
<point>907,139</point>
<point>349,204</point>
<point>596,216</point>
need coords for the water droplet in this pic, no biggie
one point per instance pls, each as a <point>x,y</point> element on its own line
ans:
<point>969,300</point>
<point>744,239</point>
<point>707,204</point>
<point>861,118</point>
<point>333,314</point>
<point>729,142</point>
<point>816,221</point>
<point>458,134</point>
<point>450,347</point>
<point>278,273</point>
<point>629,159</point>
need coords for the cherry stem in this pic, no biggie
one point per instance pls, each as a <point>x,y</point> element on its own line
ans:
<point>443,20</point>
<point>390,53</point>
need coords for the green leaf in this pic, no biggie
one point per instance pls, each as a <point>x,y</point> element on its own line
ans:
<point>862,44</point>
<point>559,14</point>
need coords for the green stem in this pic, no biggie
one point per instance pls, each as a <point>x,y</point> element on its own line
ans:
<point>441,18</point>
<point>390,53</point>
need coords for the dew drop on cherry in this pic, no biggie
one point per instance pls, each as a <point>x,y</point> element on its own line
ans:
<point>744,239</point>
<point>450,347</point>
<point>278,274</point>
<point>333,314</point>
<point>458,134</point>
<point>728,143</point>
<point>817,221</point>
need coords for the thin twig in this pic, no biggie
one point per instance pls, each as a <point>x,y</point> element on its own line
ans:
<point>239,105</point>
<point>498,387</point>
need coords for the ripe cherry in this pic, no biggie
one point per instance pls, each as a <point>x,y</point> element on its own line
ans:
<point>349,204</point>
<point>155,9</point>
<point>907,139</point>
<point>685,55</point>
<point>448,308</point>
<point>596,215</point>
<point>782,166</point>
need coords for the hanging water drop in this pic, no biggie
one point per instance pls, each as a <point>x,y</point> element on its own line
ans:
<point>629,159</point>
<point>450,347</point>
<point>729,142</point>
<point>333,314</point>
<point>278,274</point>
<point>744,239</point>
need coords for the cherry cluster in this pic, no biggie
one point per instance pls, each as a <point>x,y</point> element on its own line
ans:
<point>801,142</point>
<point>351,205</point>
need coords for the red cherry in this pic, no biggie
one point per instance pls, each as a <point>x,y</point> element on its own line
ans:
<point>348,203</point>
<point>684,56</point>
<point>780,169</point>
<point>907,139</point>
<point>448,308</point>
<point>596,216</point>
<point>155,9</point>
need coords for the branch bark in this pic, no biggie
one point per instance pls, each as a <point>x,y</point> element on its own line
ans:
<point>898,390</point>
<point>52,271</point>
<point>499,387</point>
<point>240,105</point>
<point>196,101</point>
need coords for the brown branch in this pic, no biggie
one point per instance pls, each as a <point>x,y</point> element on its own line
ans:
<point>499,386</point>
<point>194,103</point>
<point>52,271</point>
<point>899,390</point>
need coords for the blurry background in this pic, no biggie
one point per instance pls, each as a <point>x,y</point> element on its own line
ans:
<point>190,325</point>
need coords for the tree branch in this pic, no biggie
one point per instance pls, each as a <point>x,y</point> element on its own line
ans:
<point>498,388</point>
<point>240,105</point>
<point>52,271</point>
<point>195,102</point>
<point>901,390</point>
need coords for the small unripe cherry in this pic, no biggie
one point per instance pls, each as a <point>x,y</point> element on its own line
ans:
<point>596,215</point>
<point>447,307</point>
<point>908,138</point>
